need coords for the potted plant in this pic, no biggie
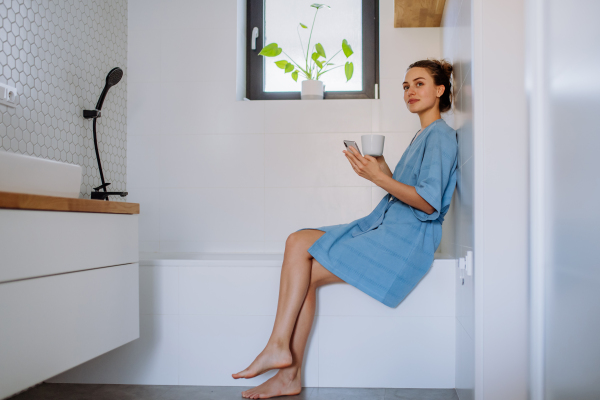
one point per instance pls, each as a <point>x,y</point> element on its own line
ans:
<point>314,67</point>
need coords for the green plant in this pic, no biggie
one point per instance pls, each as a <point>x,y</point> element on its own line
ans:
<point>314,67</point>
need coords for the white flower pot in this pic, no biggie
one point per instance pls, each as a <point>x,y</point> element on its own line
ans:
<point>312,90</point>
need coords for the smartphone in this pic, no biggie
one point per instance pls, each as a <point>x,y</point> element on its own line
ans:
<point>353,144</point>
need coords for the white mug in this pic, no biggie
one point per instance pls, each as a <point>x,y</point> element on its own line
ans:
<point>372,145</point>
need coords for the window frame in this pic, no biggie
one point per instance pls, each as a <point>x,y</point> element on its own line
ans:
<point>370,51</point>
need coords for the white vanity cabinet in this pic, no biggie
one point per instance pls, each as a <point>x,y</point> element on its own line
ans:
<point>69,284</point>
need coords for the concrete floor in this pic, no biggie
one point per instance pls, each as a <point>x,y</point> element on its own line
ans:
<point>66,391</point>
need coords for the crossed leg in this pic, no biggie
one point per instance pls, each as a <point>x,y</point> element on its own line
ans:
<point>301,275</point>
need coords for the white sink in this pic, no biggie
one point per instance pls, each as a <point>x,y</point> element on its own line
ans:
<point>33,175</point>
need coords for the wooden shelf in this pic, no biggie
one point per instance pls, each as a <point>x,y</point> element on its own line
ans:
<point>21,201</point>
<point>418,13</point>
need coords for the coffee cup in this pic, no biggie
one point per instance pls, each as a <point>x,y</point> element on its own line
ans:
<point>372,145</point>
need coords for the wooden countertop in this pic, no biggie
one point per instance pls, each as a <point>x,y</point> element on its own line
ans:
<point>21,201</point>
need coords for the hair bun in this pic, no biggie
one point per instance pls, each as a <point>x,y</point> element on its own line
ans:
<point>446,66</point>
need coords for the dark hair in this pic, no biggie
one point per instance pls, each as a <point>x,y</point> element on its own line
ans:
<point>441,71</point>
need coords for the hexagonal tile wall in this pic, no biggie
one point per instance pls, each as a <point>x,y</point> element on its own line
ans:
<point>57,55</point>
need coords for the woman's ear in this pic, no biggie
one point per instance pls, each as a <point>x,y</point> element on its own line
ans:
<point>440,90</point>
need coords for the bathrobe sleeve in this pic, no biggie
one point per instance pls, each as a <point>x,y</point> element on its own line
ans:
<point>439,159</point>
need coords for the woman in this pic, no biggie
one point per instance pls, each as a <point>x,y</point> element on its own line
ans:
<point>384,254</point>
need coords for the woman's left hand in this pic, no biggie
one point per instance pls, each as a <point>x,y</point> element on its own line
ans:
<point>367,166</point>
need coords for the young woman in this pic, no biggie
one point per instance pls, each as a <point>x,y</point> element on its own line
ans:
<point>384,254</point>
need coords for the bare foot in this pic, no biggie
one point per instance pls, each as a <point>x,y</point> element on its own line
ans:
<point>268,359</point>
<point>282,384</point>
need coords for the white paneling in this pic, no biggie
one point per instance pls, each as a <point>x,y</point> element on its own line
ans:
<point>211,214</point>
<point>148,217</point>
<point>144,113</point>
<point>143,65</point>
<point>432,297</point>
<point>231,290</point>
<point>215,346</point>
<point>334,115</point>
<point>303,159</point>
<point>159,290</point>
<point>196,108</point>
<point>54,323</point>
<point>143,160</point>
<point>190,55</point>
<point>144,14</point>
<point>290,209</point>
<point>416,352</point>
<point>235,161</point>
<point>215,17</point>
<point>30,245</point>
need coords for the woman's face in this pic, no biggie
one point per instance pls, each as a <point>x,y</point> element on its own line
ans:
<point>420,92</point>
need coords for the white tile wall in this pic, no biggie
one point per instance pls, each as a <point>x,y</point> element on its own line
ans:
<point>57,55</point>
<point>215,174</point>
<point>203,320</point>
<point>459,234</point>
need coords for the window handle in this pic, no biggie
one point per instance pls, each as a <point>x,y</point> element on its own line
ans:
<point>254,36</point>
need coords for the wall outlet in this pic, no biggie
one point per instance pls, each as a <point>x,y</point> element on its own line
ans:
<point>8,95</point>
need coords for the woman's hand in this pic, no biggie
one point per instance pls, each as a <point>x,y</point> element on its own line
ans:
<point>367,167</point>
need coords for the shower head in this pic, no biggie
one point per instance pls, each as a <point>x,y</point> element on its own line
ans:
<point>114,76</point>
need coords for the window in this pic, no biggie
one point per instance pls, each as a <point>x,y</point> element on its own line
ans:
<point>278,21</point>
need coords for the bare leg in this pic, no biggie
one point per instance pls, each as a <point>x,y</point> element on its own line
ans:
<point>293,286</point>
<point>287,381</point>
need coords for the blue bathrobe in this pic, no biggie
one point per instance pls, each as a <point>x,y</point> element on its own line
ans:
<point>387,253</point>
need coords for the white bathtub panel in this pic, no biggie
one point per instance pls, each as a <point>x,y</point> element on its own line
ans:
<point>209,246</point>
<point>215,346</point>
<point>333,115</point>
<point>228,290</point>
<point>159,290</point>
<point>212,161</point>
<point>289,209</point>
<point>465,364</point>
<point>434,296</point>
<point>149,360</point>
<point>211,214</point>
<point>415,352</point>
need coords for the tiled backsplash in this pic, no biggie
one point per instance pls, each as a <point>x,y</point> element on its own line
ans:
<point>57,55</point>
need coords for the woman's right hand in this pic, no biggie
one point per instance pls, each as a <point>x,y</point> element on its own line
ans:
<point>383,165</point>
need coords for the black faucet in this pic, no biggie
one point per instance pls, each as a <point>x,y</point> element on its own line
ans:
<point>97,195</point>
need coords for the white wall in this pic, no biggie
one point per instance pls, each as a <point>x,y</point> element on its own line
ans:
<point>501,213</point>
<point>457,39</point>
<point>57,55</point>
<point>213,174</point>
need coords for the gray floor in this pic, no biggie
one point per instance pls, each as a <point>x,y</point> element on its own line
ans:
<point>64,391</point>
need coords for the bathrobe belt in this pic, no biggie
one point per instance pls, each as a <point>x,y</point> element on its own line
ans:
<point>375,219</point>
